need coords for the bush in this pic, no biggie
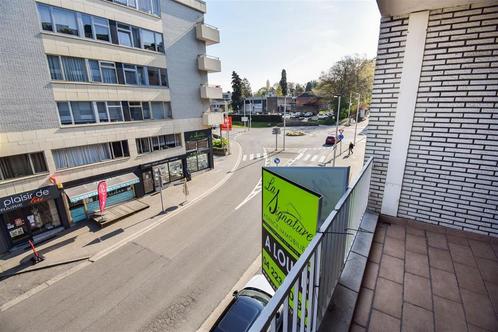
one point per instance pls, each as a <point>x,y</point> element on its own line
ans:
<point>220,143</point>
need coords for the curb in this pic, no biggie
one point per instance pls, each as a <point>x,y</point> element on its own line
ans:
<point>37,268</point>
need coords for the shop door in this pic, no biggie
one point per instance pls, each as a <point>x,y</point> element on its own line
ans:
<point>17,225</point>
<point>148,182</point>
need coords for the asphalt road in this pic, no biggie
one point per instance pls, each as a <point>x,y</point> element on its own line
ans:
<point>171,278</point>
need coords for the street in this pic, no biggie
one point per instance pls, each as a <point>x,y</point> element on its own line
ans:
<point>172,278</point>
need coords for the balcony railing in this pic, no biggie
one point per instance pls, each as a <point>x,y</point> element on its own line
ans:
<point>211,92</point>
<point>207,33</point>
<point>208,63</point>
<point>320,266</point>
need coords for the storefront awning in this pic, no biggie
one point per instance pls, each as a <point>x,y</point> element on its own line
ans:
<point>76,194</point>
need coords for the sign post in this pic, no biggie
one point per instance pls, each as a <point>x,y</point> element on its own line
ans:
<point>341,137</point>
<point>226,126</point>
<point>102,191</point>
<point>276,131</point>
<point>276,161</point>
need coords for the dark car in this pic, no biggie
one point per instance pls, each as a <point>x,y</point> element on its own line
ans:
<point>245,307</point>
<point>330,140</point>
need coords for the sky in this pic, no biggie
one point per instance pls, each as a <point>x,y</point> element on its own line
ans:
<point>259,38</point>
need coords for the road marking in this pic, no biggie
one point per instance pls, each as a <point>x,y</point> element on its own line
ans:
<point>251,156</point>
<point>258,155</point>
<point>322,159</point>
<point>314,157</point>
<point>265,155</point>
<point>299,156</point>
<point>244,157</point>
<point>308,156</point>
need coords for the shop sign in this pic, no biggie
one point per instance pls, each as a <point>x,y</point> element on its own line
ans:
<point>161,162</point>
<point>197,135</point>
<point>18,201</point>
<point>102,190</point>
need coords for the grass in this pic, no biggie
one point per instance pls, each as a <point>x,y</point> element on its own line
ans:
<point>238,124</point>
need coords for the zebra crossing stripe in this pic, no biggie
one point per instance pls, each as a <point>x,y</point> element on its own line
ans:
<point>322,159</point>
<point>299,156</point>
<point>244,157</point>
<point>314,157</point>
<point>258,155</point>
<point>308,156</point>
<point>251,156</point>
<point>265,155</point>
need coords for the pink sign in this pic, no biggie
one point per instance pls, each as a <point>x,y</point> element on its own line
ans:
<point>102,190</point>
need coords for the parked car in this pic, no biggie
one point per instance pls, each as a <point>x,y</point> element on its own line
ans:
<point>330,140</point>
<point>245,306</point>
<point>308,114</point>
<point>314,118</point>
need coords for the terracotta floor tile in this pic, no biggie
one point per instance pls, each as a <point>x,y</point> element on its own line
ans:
<point>437,240</point>
<point>449,316</point>
<point>489,269</point>
<point>380,234</point>
<point>441,259</point>
<point>462,254</point>
<point>478,310</point>
<point>473,328</point>
<point>482,249</point>
<point>469,278</point>
<point>396,231</point>
<point>375,252</point>
<point>363,307</point>
<point>392,268</point>
<point>370,277</point>
<point>445,284</point>
<point>417,319</point>
<point>493,294</point>
<point>394,247</point>
<point>416,244</point>
<point>388,297</point>
<point>415,231</point>
<point>417,290</point>
<point>457,239</point>
<point>417,264</point>
<point>356,328</point>
<point>380,322</point>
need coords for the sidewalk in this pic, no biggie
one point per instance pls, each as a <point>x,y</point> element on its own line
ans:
<point>88,242</point>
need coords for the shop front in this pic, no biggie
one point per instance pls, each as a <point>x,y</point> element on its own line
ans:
<point>162,172</point>
<point>33,215</point>
<point>199,148</point>
<point>83,200</point>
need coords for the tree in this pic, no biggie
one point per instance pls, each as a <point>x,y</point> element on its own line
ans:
<point>262,92</point>
<point>310,86</point>
<point>350,75</point>
<point>237,101</point>
<point>299,89</point>
<point>283,82</point>
<point>246,88</point>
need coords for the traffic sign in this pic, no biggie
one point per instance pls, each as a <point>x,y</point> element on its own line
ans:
<point>275,131</point>
<point>276,161</point>
<point>341,137</point>
<point>244,119</point>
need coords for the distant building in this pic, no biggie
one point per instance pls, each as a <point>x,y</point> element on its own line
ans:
<point>255,104</point>
<point>308,102</point>
<point>278,104</point>
<point>218,105</point>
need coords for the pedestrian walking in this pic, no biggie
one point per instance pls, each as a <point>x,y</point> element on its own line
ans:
<point>351,146</point>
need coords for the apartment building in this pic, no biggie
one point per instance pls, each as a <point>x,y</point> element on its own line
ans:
<point>93,90</point>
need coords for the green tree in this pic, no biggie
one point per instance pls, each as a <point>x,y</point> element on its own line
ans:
<point>310,86</point>
<point>246,88</point>
<point>283,83</point>
<point>237,101</point>
<point>299,89</point>
<point>350,75</point>
<point>262,92</point>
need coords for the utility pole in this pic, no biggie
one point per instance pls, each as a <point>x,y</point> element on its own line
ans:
<point>337,126</point>
<point>250,113</point>
<point>285,113</point>
<point>356,123</point>
<point>349,109</point>
<point>245,122</point>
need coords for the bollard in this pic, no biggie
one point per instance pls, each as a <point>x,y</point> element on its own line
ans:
<point>36,256</point>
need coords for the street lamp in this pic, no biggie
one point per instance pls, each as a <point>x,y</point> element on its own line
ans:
<point>356,122</point>
<point>337,126</point>
<point>285,112</point>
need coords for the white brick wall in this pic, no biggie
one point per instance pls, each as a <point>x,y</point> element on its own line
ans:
<point>451,174</point>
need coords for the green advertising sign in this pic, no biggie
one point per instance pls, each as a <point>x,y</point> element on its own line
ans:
<point>290,221</point>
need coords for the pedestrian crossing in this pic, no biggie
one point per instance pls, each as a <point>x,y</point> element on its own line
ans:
<point>254,156</point>
<point>307,156</point>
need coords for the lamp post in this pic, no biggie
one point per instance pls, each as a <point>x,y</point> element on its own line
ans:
<point>285,113</point>
<point>349,109</point>
<point>245,122</point>
<point>356,122</point>
<point>337,126</point>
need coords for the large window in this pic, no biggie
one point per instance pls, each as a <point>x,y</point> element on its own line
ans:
<point>156,143</point>
<point>160,110</point>
<point>54,64</point>
<point>89,154</point>
<point>74,69</point>
<point>139,111</point>
<point>21,165</point>
<point>74,23</point>
<point>147,6</point>
<point>134,75</point>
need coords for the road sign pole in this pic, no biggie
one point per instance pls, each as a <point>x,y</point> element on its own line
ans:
<point>161,182</point>
<point>276,139</point>
<point>285,114</point>
<point>337,128</point>
<point>356,122</point>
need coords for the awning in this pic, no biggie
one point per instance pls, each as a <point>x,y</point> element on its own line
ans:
<point>76,194</point>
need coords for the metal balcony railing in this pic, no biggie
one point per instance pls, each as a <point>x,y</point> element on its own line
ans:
<point>316,273</point>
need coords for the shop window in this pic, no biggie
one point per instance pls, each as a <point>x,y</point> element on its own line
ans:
<point>21,165</point>
<point>175,170</point>
<point>156,143</point>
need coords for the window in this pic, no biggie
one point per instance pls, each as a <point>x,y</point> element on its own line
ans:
<point>64,113</point>
<point>95,70</point>
<point>145,6</point>
<point>115,111</point>
<point>108,72</point>
<point>54,65</point>
<point>154,76</point>
<point>159,42</point>
<point>124,35</point>
<point>45,17</point>
<point>164,77</point>
<point>156,7</point>
<point>102,112</point>
<point>136,37</point>
<point>65,21</point>
<point>89,154</point>
<point>21,165</point>
<point>82,112</point>
<point>156,143</point>
<point>148,40</point>
<point>130,74</point>
<point>158,111</point>
<point>136,111</point>
<point>102,31</point>
<point>87,25</point>
<point>74,69</point>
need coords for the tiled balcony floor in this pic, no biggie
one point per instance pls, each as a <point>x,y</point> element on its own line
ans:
<point>422,277</point>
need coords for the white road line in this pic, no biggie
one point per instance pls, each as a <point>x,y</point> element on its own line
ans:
<point>299,156</point>
<point>251,156</point>
<point>265,155</point>
<point>254,192</point>
<point>244,157</point>
<point>322,159</point>
<point>314,157</point>
<point>308,156</point>
<point>258,155</point>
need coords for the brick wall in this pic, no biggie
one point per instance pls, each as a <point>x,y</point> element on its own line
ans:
<point>451,173</point>
<point>388,68</point>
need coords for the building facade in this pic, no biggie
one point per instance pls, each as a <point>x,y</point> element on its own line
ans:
<point>96,90</point>
<point>433,128</point>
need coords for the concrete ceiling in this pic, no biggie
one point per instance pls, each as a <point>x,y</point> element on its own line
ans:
<point>400,7</point>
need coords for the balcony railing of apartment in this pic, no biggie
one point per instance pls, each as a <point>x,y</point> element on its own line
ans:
<point>320,266</point>
<point>207,33</point>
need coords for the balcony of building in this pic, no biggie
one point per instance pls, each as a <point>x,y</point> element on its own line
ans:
<point>211,92</point>
<point>207,33</point>
<point>208,63</point>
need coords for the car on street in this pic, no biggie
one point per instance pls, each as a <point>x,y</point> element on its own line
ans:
<point>330,140</point>
<point>245,306</point>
